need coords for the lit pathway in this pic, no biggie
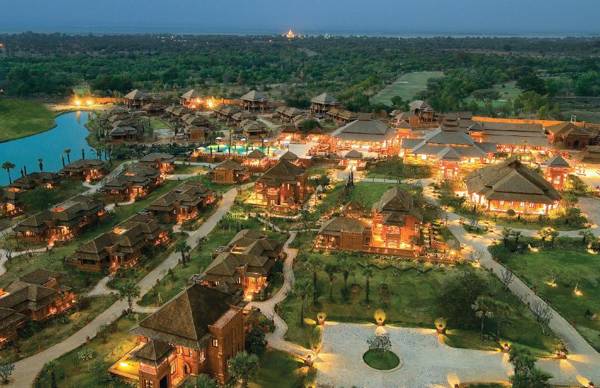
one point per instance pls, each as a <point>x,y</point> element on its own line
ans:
<point>27,369</point>
<point>276,339</point>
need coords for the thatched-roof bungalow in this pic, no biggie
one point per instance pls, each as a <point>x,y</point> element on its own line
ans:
<point>255,101</point>
<point>323,103</point>
<point>283,188</point>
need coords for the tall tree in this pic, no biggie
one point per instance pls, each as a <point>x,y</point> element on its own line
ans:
<point>128,291</point>
<point>41,164</point>
<point>67,152</point>
<point>302,288</point>
<point>346,267</point>
<point>368,274</point>
<point>242,367</point>
<point>8,166</point>
<point>526,375</point>
<point>183,247</point>
<point>313,264</point>
<point>331,270</point>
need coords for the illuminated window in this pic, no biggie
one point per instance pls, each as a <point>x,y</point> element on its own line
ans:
<point>215,342</point>
<point>173,368</point>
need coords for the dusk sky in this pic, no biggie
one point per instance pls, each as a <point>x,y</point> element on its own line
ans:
<point>308,16</point>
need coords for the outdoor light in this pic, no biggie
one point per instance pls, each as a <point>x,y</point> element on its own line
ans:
<point>505,347</point>
<point>379,316</point>
<point>440,325</point>
<point>577,291</point>
<point>321,318</point>
<point>561,350</point>
<point>123,364</point>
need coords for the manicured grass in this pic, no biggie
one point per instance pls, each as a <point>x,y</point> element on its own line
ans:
<point>281,370</point>
<point>508,91</point>
<point>44,335</point>
<point>158,123</point>
<point>19,118</point>
<point>395,169</point>
<point>409,294</point>
<point>72,371</point>
<point>381,359</point>
<point>407,86</point>
<point>40,198</point>
<point>570,266</point>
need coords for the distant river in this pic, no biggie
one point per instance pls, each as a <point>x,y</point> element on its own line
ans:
<point>70,132</point>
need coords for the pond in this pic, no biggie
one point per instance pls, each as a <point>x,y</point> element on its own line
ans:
<point>70,132</point>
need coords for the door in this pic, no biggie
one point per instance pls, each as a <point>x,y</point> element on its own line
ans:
<point>164,382</point>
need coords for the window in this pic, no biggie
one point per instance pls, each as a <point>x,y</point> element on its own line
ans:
<point>173,368</point>
<point>148,384</point>
<point>215,342</point>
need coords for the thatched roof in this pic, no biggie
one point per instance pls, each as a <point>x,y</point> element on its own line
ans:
<point>256,154</point>
<point>420,105</point>
<point>338,225</point>
<point>184,320</point>
<point>557,161</point>
<point>395,204</point>
<point>153,352</point>
<point>230,164</point>
<point>448,145</point>
<point>511,181</point>
<point>283,171</point>
<point>191,94</point>
<point>591,154</point>
<point>136,94</point>
<point>289,156</point>
<point>254,96</point>
<point>324,99</point>
<point>353,154</point>
<point>365,129</point>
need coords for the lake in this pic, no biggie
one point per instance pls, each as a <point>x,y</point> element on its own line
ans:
<point>70,132</point>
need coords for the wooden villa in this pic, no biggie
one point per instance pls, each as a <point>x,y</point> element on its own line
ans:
<point>136,181</point>
<point>191,98</point>
<point>323,103</point>
<point>47,180</point>
<point>556,171</point>
<point>392,228</point>
<point>354,159</point>
<point>122,247</point>
<point>88,170</point>
<point>590,155</point>
<point>245,264</point>
<point>165,163</point>
<point>183,203</point>
<point>10,205</point>
<point>572,136</point>
<point>511,137</point>
<point>256,161</point>
<point>36,296</point>
<point>62,222</point>
<point>511,185</point>
<point>226,112</point>
<point>421,114</point>
<point>287,114</point>
<point>208,331</point>
<point>229,172</point>
<point>136,99</point>
<point>255,101</point>
<point>283,188</point>
<point>341,116</point>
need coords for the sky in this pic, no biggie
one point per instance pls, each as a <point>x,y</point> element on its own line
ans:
<point>385,17</point>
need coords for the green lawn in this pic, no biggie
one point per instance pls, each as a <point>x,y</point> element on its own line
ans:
<point>44,335</point>
<point>508,91</point>
<point>41,198</point>
<point>158,123</point>
<point>381,359</point>
<point>71,371</point>
<point>569,265</point>
<point>407,86</point>
<point>55,259</point>
<point>281,370</point>
<point>395,168</point>
<point>19,118</point>
<point>408,293</point>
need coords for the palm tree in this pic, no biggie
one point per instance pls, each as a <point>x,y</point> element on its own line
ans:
<point>67,152</point>
<point>302,289</point>
<point>242,367</point>
<point>182,247</point>
<point>41,164</point>
<point>483,310</point>
<point>8,166</point>
<point>204,381</point>
<point>346,266</point>
<point>83,153</point>
<point>314,264</point>
<point>331,270</point>
<point>368,274</point>
<point>128,290</point>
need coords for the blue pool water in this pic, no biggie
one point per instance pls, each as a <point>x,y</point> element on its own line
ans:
<point>70,132</point>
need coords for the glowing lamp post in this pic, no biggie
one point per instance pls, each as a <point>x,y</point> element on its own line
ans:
<point>561,351</point>
<point>321,318</point>
<point>440,326</point>
<point>505,347</point>
<point>379,317</point>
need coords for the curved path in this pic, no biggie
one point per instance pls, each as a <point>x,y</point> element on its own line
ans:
<point>27,369</point>
<point>276,339</point>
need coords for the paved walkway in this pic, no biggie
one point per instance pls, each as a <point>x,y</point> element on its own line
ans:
<point>276,339</point>
<point>426,362</point>
<point>27,369</point>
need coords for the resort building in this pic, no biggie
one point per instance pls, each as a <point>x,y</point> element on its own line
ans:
<point>571,136</point>
<point>511,185</point>
<point>241,118</point>
<point>353,159</point>
<point>122,247</point>
<point>556,171</point>
<point>62,222</point>
<point>366,135</point>
<point>341,116</point>
<point>207,332</point>
<point>511,137</point>
<point>283,188</point>
<point>245,264</point>
<point>254,131</point>
<point>256,161</point>
<point>47,180</point>
<point>323,103</point>
<point>125,133</point>
<point>10,205</point>
<point>136,99</point>
<point>229,172</point>
<point>392,229</point>
<point>421,114</point>
<point>36,296</point>
<point>287,114</point>
<point>165,163</point>
<point>255,101</point>
<point>589,155</point>
<point>88,170</point>
<point>226,112</point>
<point>191,98</point>
<point>183,203</point>
<point>136,181</point>
<point>448,149</point>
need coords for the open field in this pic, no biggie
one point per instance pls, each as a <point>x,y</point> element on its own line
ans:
<point>508,91</point>
<point>555,274</point>
<point>20,118</point>
<point>407,86</point>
